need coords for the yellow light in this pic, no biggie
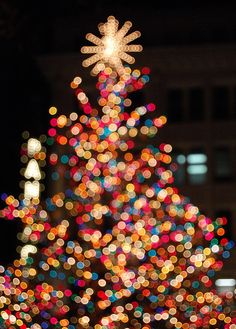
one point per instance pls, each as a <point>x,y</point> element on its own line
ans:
<point>52,110</point>
<point>112,48</point>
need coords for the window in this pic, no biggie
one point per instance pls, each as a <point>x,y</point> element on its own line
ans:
<point>196,104</point>
<point>175,105</point>
<point>220,103</point>
<point>191,168</point>
<point>222,164</point>
<point>197,167</point>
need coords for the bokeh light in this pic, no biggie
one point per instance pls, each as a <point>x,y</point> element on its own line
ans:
<point>116,246</point>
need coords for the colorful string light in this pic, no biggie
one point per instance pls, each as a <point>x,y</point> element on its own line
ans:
<point>117,246</point>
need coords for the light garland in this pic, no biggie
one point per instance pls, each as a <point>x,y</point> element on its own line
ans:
<point>118,247</point>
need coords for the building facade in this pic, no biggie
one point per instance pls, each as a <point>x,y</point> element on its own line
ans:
<point>195,87</point>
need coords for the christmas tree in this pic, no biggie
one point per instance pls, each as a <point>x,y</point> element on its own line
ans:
<point>113,244</point>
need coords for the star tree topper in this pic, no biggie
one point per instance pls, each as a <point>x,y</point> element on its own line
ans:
<point>112,47</point>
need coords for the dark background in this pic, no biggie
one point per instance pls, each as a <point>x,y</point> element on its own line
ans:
<point>30,29</point>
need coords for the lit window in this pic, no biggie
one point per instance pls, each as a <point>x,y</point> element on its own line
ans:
<point>196,158</point>
<point>197,168</point>
<point>181,159</point>
<point>179,174</point>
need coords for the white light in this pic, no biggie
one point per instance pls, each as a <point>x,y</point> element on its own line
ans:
<point>28,248</point>
<point>110,46</point>
<point>181,159</point>
<point>224,286</point>
<point>225,282</point>
<point>33,146</point>
<point>12,318</point>
<point>4,315</point>
<point>197,169</point>
<point>196,158</point>
<point>32,170</point>
<point>215,248</point>
<point>31,190</point>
